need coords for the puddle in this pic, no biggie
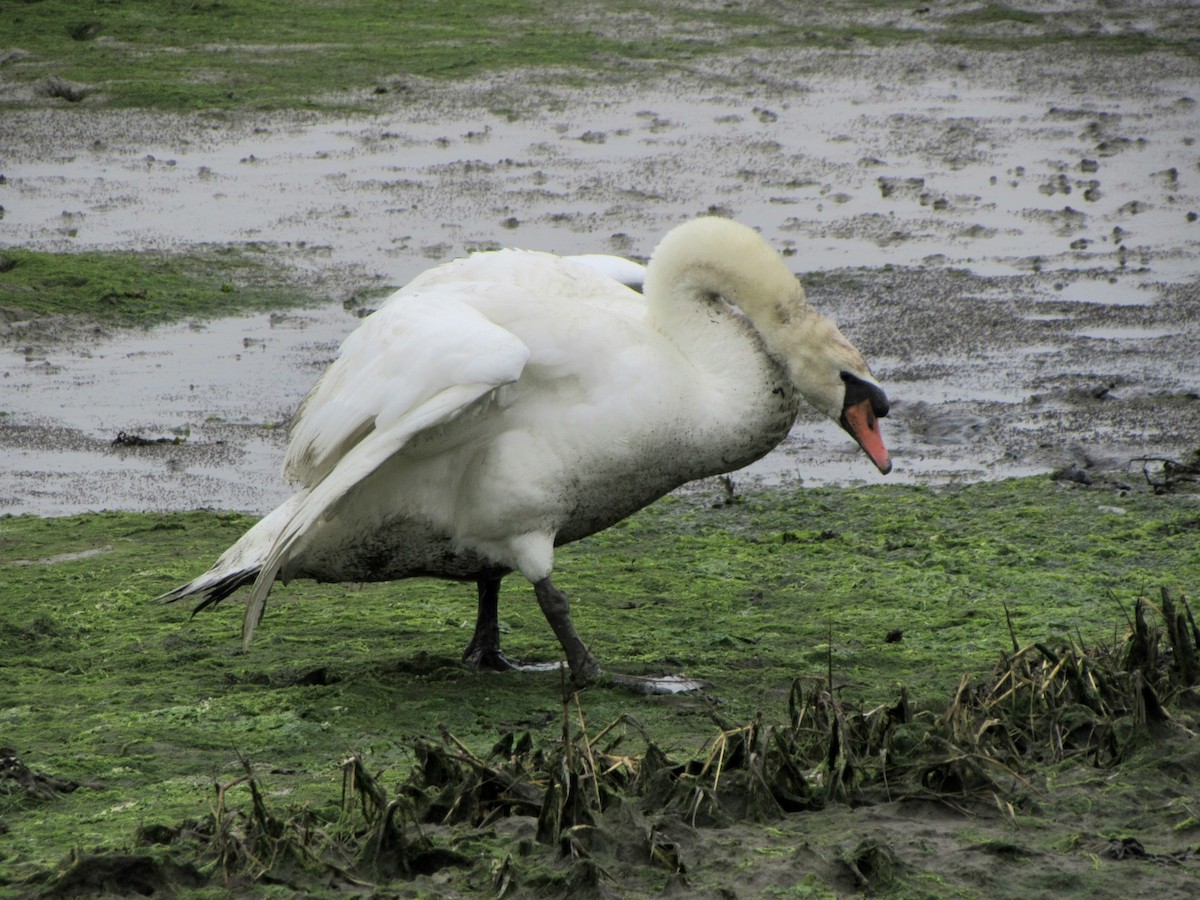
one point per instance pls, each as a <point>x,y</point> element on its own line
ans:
<point>1126,334</point>
<point>1117,292</point>
<point>1066,210</point>
<point>225,389</point>
<point>665,684</point>
<point>845,172</point>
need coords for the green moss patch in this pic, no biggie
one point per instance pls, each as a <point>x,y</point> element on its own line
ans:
<point>141,289</point>
<point>271,54</point>
<point>869,651</point>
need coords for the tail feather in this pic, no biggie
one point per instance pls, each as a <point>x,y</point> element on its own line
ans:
<point>210,591</point>
<point>237,566</point>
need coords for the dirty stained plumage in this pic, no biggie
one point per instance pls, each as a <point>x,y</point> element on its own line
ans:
<point>504,404</point>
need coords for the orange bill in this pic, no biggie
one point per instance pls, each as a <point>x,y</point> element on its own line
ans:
<point>860,420</point>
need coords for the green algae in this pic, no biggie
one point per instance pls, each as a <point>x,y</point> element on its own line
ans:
<point>147,708</point>
<point>269,54</point>
<point>143,289</point>
<point>266,54</point>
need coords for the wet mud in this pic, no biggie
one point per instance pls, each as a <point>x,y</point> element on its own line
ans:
<point>1011,238</point>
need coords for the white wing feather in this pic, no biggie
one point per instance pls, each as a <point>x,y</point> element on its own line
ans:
<point>415,346</point>
<point>629,273</point>
<point>417,363</point>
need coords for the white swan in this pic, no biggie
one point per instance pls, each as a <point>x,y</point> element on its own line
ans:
<point>504,404</point>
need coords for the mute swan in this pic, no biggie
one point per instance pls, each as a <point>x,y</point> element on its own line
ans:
<point>509,402</point>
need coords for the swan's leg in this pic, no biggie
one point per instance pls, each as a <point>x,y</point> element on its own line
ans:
<point>584,667</point>
<point>484,650</point>
<point>557,610</point>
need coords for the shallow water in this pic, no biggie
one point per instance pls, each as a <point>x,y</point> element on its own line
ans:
<point>1068,208</point>
<point>846,172</point>
<point>224,388</point>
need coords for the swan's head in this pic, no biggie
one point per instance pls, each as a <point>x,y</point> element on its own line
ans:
<point>833,376</point>
<point>862,407</point>
<point>717,258</point>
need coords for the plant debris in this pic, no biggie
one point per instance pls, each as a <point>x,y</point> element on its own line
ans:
<point>119,874</point>
<point>124,439</point>
<point>1131,848</point>
<point>1167,475</point>
<point>596,799</point>
<point>17,778</point>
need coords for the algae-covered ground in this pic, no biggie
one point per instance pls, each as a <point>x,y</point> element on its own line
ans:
<point>137,289</point>
<point>270,54</point>
<point>143,722</point>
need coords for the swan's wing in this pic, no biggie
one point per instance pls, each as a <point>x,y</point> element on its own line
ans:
<point>362,459</point>
<point>409,352</point>
<point>419,362</point>
<point>617,268</point>
<point>539,274</point>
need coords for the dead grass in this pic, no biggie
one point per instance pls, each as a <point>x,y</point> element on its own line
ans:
<point>596,798</point>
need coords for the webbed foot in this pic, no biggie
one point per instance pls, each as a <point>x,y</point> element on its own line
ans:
<point>487,659</point>
<point>661,684</point>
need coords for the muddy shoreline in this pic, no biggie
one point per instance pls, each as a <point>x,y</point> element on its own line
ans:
<point>1008,236</point>
<point>1011,240</point>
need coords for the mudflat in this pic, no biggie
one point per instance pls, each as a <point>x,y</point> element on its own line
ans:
<point>998,205</point>
<point>1010,237</point>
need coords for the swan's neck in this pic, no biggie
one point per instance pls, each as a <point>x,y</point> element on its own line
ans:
<point>721,287</point>
<point>749,317</point>
<point>745,398</point>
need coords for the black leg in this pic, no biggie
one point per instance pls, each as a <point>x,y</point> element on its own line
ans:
<point>484,650</point>
<point>557,610</point>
